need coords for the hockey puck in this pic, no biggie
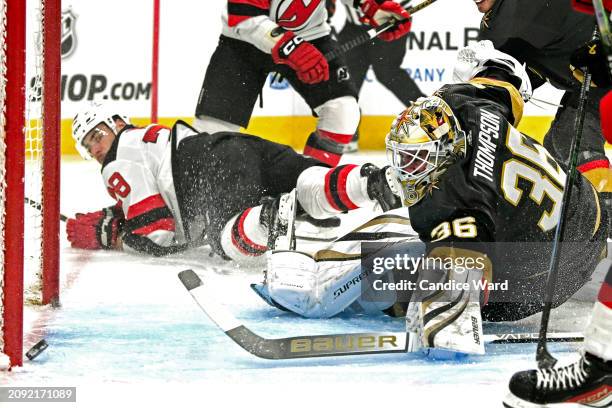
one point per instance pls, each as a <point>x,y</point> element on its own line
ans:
<point>37,349</point>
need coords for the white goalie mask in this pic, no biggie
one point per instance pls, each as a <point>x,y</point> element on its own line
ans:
<point>86,120</point>
<point>423,141</point>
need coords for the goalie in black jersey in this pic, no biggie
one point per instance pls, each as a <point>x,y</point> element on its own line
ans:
<point>555,41</point>
<point>474,187</point>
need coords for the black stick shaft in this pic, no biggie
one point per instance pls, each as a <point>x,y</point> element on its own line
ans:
<point>38,206</point>
<point>543,356</point>
<point>371,33</point>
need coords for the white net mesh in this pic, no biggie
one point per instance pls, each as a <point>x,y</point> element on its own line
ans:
<point>2,158</point>
<point>34,152</point>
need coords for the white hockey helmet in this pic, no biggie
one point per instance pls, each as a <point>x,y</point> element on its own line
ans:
<point>479,56</point>
<point>423,141</point>
<point>90,117</point>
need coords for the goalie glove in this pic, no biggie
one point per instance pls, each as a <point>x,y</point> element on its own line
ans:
<point>95,230</point>
<point>377,13</point>
<point>383,186</point>
<point>475,59</point>
<point>592,56</point>
<point>301,56</point>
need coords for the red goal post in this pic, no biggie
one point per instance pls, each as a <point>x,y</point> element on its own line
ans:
<point>29,121</point>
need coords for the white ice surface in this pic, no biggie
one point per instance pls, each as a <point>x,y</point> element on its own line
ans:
<point>128,334</point>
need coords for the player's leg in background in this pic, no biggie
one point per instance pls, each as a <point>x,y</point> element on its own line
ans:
<point>598,334</point>
<point>387,58</point>
<point>592,160</point>
<point>321,191</point>
<point>334,103</point>
<point>233,80</point>
<point>358,61</point>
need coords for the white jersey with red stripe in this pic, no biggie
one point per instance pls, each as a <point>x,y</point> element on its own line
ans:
<point>253,20</point>
<point>137,172</point>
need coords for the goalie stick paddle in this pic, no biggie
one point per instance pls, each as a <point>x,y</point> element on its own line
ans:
<point>371,33</point>
<point>347,344</point>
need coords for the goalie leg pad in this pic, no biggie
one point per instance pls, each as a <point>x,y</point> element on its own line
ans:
<point>599,331</point>
<point>291,281</point>
<point>477,57</point>
<point>448,319</point>
<point>312,289</point>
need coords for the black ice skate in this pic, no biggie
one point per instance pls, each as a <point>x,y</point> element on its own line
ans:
<point>587,382</point>
<point>278,215</point>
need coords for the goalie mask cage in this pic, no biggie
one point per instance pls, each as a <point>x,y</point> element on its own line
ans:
<point>29,162</point>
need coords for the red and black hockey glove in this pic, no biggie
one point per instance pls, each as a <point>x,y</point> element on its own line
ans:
<point>95,230</point>
<point>592,56</point>
<point>377,13</point>
<point>301,56</point>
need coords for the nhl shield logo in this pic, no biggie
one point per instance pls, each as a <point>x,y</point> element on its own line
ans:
<point>69,39</point>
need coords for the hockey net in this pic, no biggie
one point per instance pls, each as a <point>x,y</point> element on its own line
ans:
<point>29,164</point>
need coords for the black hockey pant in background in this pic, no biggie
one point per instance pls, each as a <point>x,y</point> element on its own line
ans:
<point>386,60</point>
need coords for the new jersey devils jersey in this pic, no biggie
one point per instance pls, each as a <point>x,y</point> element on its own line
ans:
<point>137,172</point>
<point>253,20</point>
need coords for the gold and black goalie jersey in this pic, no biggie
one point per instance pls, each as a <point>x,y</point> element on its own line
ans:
<point>504,198</point>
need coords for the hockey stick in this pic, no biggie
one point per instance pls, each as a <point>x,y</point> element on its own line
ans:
<point>38,206</point>
<point>372,33</point>
<point>543,356</point>
<point>346,344</point>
